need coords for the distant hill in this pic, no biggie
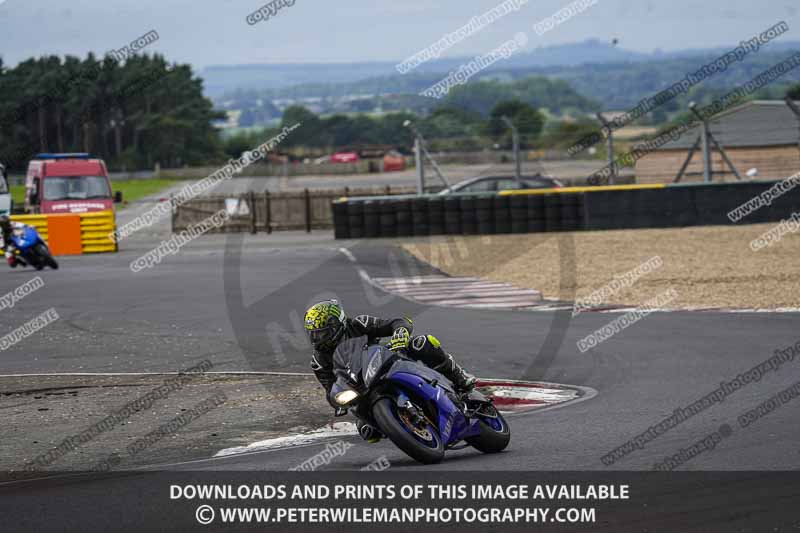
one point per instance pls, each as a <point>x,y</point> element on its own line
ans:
<point>623,85</point>
<point>593,81</point>
<point>220,80</point>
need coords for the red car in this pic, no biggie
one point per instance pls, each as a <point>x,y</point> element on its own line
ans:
<point>345,157</point>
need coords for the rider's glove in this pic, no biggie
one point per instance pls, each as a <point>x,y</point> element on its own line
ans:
<point>400,339</point>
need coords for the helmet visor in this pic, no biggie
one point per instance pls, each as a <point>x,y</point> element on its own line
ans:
<point>323,336</point>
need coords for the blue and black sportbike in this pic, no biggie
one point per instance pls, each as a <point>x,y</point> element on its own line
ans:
<point>30,249</point>
<point>417,408</point>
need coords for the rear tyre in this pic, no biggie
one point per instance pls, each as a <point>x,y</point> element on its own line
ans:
<point>495,433</point>
<point>424,444</point>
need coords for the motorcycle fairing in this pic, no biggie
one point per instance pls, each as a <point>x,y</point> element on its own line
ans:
<point>452,424</point>
<point>28,238</point>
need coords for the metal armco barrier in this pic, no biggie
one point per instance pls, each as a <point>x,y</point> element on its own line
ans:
<point>551,210</point>
<point>74,233</point>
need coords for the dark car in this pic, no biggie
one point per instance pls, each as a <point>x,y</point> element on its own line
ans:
<point>503,183</point>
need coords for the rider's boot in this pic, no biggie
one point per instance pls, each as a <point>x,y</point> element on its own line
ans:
<point>463,380</point>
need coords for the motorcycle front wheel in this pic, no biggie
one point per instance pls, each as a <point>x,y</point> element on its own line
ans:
<point>46,257</point>
<point>420,440</point>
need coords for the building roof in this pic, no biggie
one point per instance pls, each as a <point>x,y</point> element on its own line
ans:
<point>751,124</point>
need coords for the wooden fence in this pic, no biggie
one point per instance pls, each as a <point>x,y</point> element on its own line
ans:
<point>267,212</point>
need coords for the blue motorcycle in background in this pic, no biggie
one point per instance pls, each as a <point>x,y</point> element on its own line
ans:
<point>416,407</point>
<point>30,249</point>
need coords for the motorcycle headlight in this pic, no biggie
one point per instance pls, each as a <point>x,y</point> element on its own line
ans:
<point>345,397</point>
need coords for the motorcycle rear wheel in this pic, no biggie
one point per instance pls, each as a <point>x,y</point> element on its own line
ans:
<point>495,433</point>
<point>422,443</point>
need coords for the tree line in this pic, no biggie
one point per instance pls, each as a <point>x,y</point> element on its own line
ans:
<point>478,96</point>
<point>132,114</point>
<point>144,111</point>
<point>445,128</point>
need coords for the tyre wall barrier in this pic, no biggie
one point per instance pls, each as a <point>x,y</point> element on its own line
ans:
<point>685,205</point>
<point>563,209</point>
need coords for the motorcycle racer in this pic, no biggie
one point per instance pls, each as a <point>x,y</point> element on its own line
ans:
<point>6,243</point>
<point>327,325</point>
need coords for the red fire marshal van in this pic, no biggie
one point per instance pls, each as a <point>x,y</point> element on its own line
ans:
<point>68,183</point>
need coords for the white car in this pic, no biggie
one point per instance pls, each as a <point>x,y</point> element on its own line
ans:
<point>503,183</point>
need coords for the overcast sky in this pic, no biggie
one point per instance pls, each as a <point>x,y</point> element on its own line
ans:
<point>212,32</point>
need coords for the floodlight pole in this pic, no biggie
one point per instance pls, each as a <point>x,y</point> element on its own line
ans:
<point>419,144</point>
<point>704,139</point>
<point>420,166</point>
<point>515,141</point>
<point>612,164</point>
<point>707,170</point>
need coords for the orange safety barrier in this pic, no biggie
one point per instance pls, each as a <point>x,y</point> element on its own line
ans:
<point>65,235</point>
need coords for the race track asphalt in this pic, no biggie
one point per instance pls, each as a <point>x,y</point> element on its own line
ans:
<point>237,301</point>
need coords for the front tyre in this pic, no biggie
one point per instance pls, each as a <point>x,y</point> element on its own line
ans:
<point>419,440</point>
<point>494,431</point>
<point>45,258</point>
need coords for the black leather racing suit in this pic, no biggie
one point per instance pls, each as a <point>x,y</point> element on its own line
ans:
<point>6,244</point>
<point>420,348</point>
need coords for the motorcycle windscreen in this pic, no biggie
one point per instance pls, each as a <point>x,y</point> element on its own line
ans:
<point>347,357</point>
<point>376,360</point>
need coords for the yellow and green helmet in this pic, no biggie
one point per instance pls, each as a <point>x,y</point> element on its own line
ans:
<point>324,323</point>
